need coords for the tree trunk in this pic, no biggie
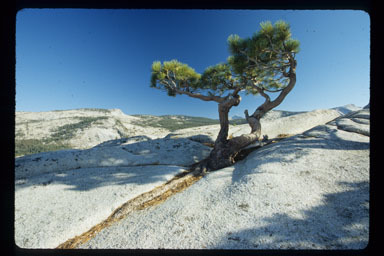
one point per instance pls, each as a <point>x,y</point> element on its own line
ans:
<point>222,154</point>
<point>225,150</point>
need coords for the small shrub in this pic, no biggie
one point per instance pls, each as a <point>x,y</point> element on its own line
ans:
<point>68,131</point>
<point>171,123</point>
<point>57,141</point>
<point>34,146</point>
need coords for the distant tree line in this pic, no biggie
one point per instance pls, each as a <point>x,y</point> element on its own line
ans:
<point>57,141</point>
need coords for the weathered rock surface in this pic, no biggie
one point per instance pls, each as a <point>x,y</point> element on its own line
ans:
<point>123,152</point>
<point>309,191</point>
<point>54,207</point>
<point>356,122</point>
<point>61,194</point>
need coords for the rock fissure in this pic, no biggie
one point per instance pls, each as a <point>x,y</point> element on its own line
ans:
<point>154,197</point>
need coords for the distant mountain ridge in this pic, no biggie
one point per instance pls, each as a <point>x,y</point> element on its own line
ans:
<point>83,128</point>
<point>273,114</point>
<point>235,117</point>
<point>347,108</point>
<point>37,132</point>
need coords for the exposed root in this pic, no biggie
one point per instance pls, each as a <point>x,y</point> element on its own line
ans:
<point>209,144</point>
<point>145,200</point>
<point>246,151</point>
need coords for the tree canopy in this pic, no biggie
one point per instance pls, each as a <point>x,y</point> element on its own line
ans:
<point>265,57</point>
<point>256,64</point>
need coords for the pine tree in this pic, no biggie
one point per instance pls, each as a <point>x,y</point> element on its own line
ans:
<point>259,65</point>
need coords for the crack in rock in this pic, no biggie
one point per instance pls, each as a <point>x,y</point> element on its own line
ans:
<point>154,197</point>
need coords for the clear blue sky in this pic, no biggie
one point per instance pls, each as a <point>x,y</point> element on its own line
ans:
<point>84,58</point>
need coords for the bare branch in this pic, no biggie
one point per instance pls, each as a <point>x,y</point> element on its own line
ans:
<point>285,73</point>
<point>262,93</point>
<point>273,90</point>
<point>236,91</point>
<point>200,96</point>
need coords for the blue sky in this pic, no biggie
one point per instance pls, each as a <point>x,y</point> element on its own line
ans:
<point>88,58</point>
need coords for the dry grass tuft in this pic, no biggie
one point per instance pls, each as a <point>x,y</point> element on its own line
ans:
<point>284,135</point>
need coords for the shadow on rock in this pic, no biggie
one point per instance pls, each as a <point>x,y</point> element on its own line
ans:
<point>292,149</point>
<point>113,162</point>
<point>341,222</point>
<point>200,138</point>
<point>90,178</point>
